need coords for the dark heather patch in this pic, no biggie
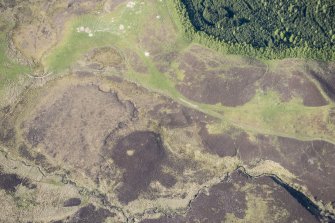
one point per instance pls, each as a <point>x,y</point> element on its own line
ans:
<point>306,89</point>
<point>9,3</point>
<point>84,74</point>
<point>91,214</point>
<point>263,147</point>
<point>176,119</point>
<point>228,144</point>
<point>229,197</point>
<point>326,78</point>
<point>72,202</point>
<point>24,152</point>
<point>174,219</point>
<point>213,64</point>
<point>219,144</point>
<point>311,161</point>
<point>332,116</point>
<point>279,197</point>
<point>131,109</point>
<point>6,109</point>
<point>173,115</point>
<point>115,79</point>
<point>213,206</point>
<point>142,166</point>
<point>328,87</point>
<point>28,184</point>
<point>277,82</point>
<point>76,120</point>
<point>7,132</point>
<point>218,90</point>
<point>163,61</point>
<point>38,159</point>
<point>222,198</point>
<point>8,182</point>
<point>166,57</point>
<point>297,84</point>
<point>190,63</point>
<point>41,160</point>
<point>301,199</point>
<point>95,66</point>
<point>36,132</point>
<point>167,180</point>
<point>35,136</point>
<point>230,86</point>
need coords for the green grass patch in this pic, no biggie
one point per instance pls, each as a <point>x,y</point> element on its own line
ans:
<point>106,30</point>
<point>267,114</point>
<point>75,44</point>
<point>120,29</point>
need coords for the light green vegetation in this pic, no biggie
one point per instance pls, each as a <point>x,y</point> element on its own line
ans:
<point>120,29</point>
<point>266,113</point>
<point>128,28</point>
<point>75,43</point>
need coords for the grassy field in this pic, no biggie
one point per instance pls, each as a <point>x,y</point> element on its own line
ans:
<point>118,29</point>
<point>292,119</point>
<point>127,29</point>
<point>75,43</point>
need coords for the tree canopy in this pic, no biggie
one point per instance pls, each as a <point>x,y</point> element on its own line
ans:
<point>295,28</point>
